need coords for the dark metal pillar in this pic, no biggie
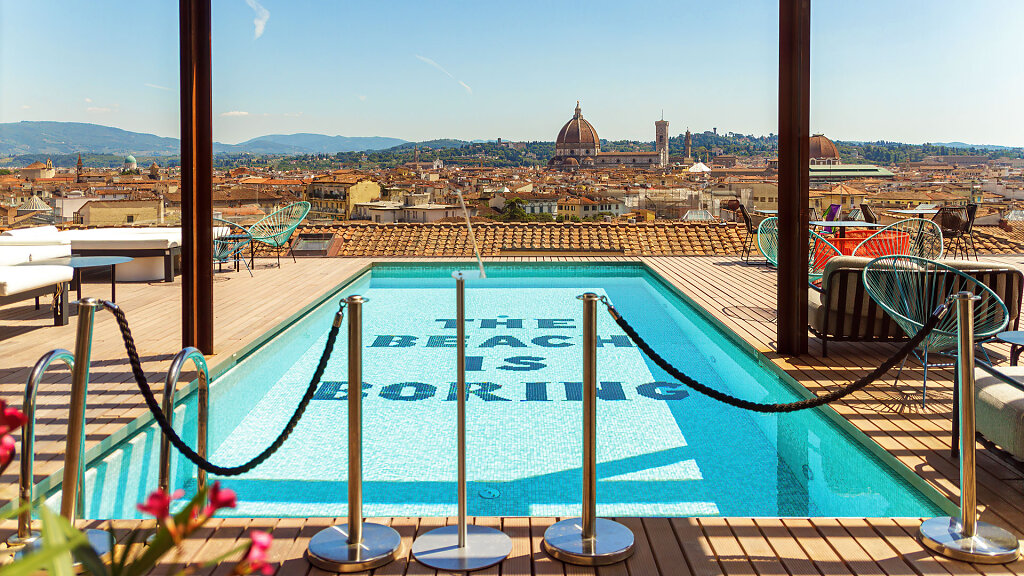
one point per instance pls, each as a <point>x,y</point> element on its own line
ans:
<point>196,175</point>
<point>794,177</point>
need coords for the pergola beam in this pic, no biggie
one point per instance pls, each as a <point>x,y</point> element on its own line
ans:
<point>794,176</point>
<point>196,175</point>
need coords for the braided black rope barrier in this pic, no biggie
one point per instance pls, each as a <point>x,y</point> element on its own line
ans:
<point>168,430</point>
<point>907,348</point>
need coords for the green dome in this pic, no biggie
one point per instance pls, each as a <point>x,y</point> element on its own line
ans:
<point>129,159</point>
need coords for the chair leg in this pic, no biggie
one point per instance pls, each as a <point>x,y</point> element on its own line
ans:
<point>924,385</point>
<point>242,259</point>
<point>899,372</point>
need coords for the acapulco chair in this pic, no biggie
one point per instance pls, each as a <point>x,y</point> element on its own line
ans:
<point>909,289</point>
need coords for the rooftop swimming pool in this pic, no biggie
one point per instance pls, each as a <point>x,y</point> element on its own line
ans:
<point>662,450</point>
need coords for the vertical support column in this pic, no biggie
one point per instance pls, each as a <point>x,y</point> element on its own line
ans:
<point>966,538</point>
<point>794,177</point>
<point>589,540</point>
<point>356,546</point>
<point>463,547</point>
<point>196,175</point>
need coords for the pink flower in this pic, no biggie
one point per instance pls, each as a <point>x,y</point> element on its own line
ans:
<point>256,557</point>
<point>10,419</point>
<point>158,503</point>
<point>7,445</point>
<point>220,498</point>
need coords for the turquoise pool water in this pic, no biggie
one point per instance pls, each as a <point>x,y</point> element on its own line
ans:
<point>662,451</point>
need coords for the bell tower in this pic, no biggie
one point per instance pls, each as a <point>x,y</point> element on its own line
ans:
<point>661,141</point>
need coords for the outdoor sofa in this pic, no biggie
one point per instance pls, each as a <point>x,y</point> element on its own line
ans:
<point>19,283</point>
<point>154,249</point>
<point>999,410</point>
<point>842,310</point>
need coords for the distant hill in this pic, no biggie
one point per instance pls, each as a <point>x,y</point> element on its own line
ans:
<point>30,137</point>
<point>433,144</point>
<point>18,138</point>
<point>304,143</point>
<point>977,146</point>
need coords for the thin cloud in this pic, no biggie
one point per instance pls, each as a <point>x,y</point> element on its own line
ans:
<point>235,113</point>
<point>447,73</point>
<point>25,107</point>
<point>157,86</point>
<point>88,100</point>
<point>362,97</point>
<point>98,109</point>
<point>262,15</point>
<point>293,114</point>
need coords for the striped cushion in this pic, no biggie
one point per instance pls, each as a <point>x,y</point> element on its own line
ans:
<point>1000,409</point>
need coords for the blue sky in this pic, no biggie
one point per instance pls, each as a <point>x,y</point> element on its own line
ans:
<point>908,70</point>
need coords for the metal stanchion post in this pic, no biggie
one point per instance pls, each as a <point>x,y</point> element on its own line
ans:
<point>73,485</point>
<point>462,547</point>
<point>357,545</point>
<point>966,538</point>
<point>589,540</point>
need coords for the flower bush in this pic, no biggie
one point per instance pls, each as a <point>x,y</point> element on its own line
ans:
<point>62,544</point>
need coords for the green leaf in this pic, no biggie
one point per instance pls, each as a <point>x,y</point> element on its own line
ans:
<point>54,553</point>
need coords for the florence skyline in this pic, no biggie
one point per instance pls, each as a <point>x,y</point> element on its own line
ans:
<point>911,72</point>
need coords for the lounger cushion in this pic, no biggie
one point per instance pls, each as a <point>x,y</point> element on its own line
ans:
<point>1000,409</point>
<point>127,238</point>
<point>34,232</point>
<point>17,279</point>
<point>16,249</point>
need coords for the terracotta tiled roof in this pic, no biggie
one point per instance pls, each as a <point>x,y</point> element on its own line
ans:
<point>496,239</point>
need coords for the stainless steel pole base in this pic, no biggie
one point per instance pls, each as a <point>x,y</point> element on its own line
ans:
<point>612,542</point>
<point>98,539</point>
<point>440,549</point>
<point>17,542</point>
<point>329,548</point>
<point>990,545</point>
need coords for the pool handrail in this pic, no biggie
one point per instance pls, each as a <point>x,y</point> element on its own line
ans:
<point>26,487</point>
<point>202,418</point>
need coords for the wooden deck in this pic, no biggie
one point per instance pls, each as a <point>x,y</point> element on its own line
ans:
<point>739,295</point>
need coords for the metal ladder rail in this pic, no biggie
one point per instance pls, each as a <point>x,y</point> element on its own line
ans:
<point>202,417</point>
<point>26,487</point>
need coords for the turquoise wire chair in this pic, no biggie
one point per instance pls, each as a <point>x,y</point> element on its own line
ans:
<point>229,239</point>
<point>276,229</point>
<point>909,289</point>
<point>820,250</point>
<point>768,239</point>
<point>911,237</point>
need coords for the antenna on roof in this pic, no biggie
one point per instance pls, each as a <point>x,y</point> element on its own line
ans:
<point>662,113</point>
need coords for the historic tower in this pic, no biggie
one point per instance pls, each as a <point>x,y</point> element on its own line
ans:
<point>661,141</point>
<point>78,169</point>
<point>688,145</point>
